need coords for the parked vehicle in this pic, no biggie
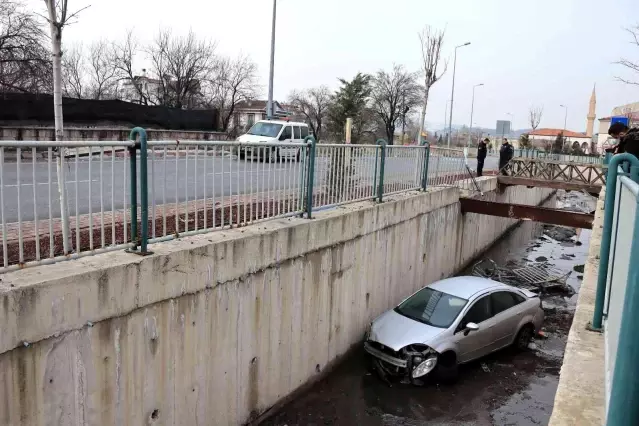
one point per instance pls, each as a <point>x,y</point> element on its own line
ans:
<point>451,322</point>
<point>274,132</point>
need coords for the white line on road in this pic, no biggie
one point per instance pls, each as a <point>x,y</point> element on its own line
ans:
<point>53,182</point>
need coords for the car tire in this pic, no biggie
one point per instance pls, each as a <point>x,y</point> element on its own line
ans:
<point>524,337</point>
<point>447,369</point>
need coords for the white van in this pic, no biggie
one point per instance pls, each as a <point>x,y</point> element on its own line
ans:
<point>274,131</point>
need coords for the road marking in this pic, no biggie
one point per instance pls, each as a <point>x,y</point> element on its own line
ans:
<point>53,182</point>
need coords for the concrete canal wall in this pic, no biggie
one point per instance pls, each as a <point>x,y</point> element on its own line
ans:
<point>215,329</point>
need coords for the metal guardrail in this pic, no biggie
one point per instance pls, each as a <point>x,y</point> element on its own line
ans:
<point>562,158</point>
<point>617,297</point>
<point>129,194</point>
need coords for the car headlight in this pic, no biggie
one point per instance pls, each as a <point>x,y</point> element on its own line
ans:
<point>424,367</point>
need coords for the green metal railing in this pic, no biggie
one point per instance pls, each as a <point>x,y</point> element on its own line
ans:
<point>617,296</point>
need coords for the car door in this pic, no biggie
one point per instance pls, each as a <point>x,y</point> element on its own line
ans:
<point>474,344</point>
<point>507,314</point>
<point>286,137</point>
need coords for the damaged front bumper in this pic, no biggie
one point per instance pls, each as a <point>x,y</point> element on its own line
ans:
<point>413,361</point>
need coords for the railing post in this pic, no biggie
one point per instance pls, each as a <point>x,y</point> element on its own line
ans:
<point>425,166</point>
<point>382,161</point>
<point>142,242</point>
<point>604,255</point>
<point>310,141</point>
<point>623,408</point>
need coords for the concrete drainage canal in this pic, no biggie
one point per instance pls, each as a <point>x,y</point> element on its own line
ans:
<point>508,387</point>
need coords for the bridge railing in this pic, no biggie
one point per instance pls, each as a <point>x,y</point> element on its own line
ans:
<point>617,297</point>
<point>562,158</point>
<point>130,194</point>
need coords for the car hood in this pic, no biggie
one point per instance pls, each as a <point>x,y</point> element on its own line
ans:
<point>396,331</point>
<point>255,138</point>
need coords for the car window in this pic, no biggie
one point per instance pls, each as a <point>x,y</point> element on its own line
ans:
<point>265,129</point>
<point>518,298</point>
<point>298,132</point>
<point>304,131</point>
<point>286,133</point>
<point>432,307</point>
<point>479,312</point>
<point>502,300</point>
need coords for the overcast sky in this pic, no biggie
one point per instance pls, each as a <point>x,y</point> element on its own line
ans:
<point>543,52</point>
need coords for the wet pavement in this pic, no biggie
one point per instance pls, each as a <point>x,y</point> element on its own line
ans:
<point>504,388</point>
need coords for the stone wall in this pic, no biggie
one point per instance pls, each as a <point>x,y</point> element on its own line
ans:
<point>101,134</point>
<point>216,328</point>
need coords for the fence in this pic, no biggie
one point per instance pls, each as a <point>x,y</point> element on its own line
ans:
<point>617,298</point>
<point>128,194</point>
<point>562,158</point>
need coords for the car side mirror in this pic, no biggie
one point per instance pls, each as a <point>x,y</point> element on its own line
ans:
<point>471,326</point>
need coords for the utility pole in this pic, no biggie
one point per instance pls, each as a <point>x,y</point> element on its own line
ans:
<point>269,106</point>
<point>452,95</point>
<point>472,107</point>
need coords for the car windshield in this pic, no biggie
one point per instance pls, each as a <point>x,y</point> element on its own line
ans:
<point>432,307</point>
<point>265,129</point>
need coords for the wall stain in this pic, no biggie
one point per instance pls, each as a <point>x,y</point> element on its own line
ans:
<point>103,289</point>
<point>254,395</point>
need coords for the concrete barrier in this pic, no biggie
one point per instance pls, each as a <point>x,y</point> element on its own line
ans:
<point>19,133</point>
<point>214,329</point>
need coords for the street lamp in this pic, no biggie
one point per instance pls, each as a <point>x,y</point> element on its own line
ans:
<point>565,117</point>
<point>452,94</point>
<point>472,107</point>
<point>269,105</point>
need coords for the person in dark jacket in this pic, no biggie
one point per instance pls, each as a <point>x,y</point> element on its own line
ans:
<point>628,139</point>
<point>506,153</point>
<point>482,149</point>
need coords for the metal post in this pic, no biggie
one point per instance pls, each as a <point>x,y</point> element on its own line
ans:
<point>425,167</point>
<point>472,107</point>
<point>624,392</point>
<point>310,140</point>
<point>380,187</point>
<point>133,191</point>
<point>604,255</point>
<point>142,242</point>
<point>269,106</point>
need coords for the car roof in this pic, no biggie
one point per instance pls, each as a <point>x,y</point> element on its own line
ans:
<point>466,287</point>
<point>295,123</point>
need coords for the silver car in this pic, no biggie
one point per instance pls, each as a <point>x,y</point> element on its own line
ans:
<point>451,322</point>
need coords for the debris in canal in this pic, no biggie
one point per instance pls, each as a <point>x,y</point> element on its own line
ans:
<point>579,268</point>
<point>539,277</point>
<point>560,233</point>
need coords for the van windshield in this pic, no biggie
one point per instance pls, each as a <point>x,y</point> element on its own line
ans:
<point>270,130</point>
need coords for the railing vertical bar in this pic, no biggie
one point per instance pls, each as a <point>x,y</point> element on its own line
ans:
<point>19,182</point>
<point>90,199</point>
<point>102,237</point>
<point>113,236</point>
<point>213,204</point>
<point>245,186</point>
<point>5,255</point>
<point>263,178</point>
<point>251,176</point>
<point>164,205</point>
<point>153,214</point>
<point>206,178</point>
<point>49,172</point>
<point>186,188</point>
<point>124,189</point>
<point>278,170</point>
<point>237,188</point>
<point>176,231</point>
<point>35,203</point>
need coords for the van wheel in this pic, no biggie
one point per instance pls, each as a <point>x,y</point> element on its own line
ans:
<point>274,155</point>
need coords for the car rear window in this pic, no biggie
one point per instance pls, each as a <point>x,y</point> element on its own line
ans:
<point>432,307</point>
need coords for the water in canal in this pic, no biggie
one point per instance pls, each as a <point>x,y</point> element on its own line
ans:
<point>505,388</point>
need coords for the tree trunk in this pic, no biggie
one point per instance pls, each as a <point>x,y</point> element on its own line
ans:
<point>422,118</point>
<point>56,48</point>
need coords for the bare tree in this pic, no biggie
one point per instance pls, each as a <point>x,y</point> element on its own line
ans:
<point>58,18</point>
<point>102,72</point>
<point>431,41</point>
<point>231,82</point>
<point>313,104</point>
<point>630,64</point>
<point>534,116</point>
<point>122,55</point>
<point>181,64</point>
<point>74,73</point>
<point>392,92</point>
<point>24,60</point>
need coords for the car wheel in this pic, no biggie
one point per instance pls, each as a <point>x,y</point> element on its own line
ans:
<point>524,337</point>
<point>447,369</point>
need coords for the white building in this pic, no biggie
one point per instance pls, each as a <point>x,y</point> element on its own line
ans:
<point>540,138</point>
<point>152,88</point>
<point>248,112</point>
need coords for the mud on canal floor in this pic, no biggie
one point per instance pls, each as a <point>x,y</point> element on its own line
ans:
<point>504,388</point>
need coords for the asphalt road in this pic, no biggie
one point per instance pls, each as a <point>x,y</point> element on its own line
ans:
<point>93,185</point>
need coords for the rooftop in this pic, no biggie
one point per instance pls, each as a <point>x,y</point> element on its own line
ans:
<point>555,132</point>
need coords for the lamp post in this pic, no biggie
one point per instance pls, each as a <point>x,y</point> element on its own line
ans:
<point>452,95</point>
<point>565,117</point>
<point>472,107</point>
<point>269,106</point>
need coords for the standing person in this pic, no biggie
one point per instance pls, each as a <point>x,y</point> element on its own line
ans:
<point>628,139</point>
<point>506,153</point>
<point>482,149</point>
